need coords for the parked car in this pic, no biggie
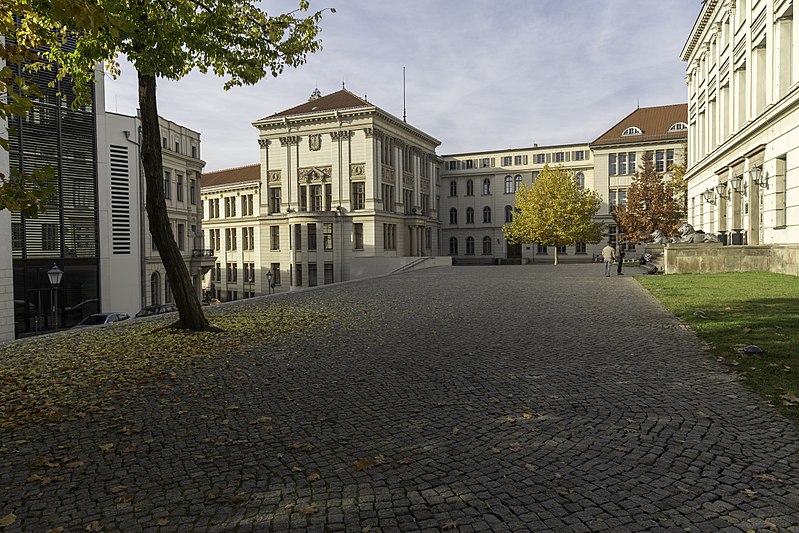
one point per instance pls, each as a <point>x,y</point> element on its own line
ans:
<point>156,310</point>
<point>99,319</point>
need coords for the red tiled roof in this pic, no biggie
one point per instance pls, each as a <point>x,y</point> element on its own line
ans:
<point>342,99</point>
<point>654,122</point>
<point>232,175</point>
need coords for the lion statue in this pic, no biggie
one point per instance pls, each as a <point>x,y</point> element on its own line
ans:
<point>687,234</point>
<point>657,237</point>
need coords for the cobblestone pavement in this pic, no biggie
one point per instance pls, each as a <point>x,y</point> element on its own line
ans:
<point>526,398</point>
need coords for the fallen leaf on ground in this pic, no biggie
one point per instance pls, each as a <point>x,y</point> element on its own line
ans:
<point>314,477</point>
<point>766,477</point>
<point>750,493</point>
<point>452,524</point>
<point>162,521</point>
<point>563,491</point>
<point>94,526</point>
<point>107,447</point>
<point>55,530</point>
<point>117,489</point>
<point>308,510</point>
<point>365,463</point>
<point>8,519</point>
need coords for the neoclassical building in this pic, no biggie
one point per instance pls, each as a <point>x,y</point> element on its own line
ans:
<point>744,121</point>
<point>344,190</point>
<point>478,197</point>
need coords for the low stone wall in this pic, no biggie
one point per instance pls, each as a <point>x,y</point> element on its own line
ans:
<point>713,257</point>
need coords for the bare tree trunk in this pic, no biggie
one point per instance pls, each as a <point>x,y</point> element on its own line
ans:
<point>556,254</point>
<point>189,309</point>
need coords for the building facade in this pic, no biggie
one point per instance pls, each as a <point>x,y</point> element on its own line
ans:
<point>743,177</point>
<point>657,132</point>
<point>66,234</point>
<point>345,190</point>
<point>478,196</point>
<point>127,249</point>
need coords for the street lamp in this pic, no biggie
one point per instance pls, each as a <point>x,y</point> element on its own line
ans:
<point>710,196</point>
<point>738,184</point>
<point>55,274</point>
<point>758,176</point>
<point>268,282</point>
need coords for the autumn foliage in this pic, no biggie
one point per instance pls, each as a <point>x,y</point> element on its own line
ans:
<point>554,211</point>
<point>651,205</point>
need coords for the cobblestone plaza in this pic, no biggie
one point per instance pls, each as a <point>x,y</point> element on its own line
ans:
<point>520,398</point>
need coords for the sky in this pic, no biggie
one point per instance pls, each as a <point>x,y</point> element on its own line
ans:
<point>479,74</point>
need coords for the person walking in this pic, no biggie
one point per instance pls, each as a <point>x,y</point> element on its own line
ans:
<point>608,254</point>
<point>619,258</point>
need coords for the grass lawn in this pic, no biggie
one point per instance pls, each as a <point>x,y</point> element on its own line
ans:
<point>741,309</point>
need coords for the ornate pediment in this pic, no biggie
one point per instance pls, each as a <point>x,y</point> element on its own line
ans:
<point>273,176</point>
<point>315,174</point>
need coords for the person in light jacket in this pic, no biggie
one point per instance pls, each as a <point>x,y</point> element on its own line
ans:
<point>608,255</point>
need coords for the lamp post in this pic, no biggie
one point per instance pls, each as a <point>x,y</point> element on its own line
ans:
<point>55,274</point>
<point>268,282</point>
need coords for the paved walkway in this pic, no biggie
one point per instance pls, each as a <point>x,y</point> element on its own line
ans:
<point>467,399</point>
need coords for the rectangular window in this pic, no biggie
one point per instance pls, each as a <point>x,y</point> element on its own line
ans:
<point>560,157</point>
<point>246,205</point>
<point>520,160</point>
<point>579,248</point>
<point>275,268</point>
<point>217,273</point>
<point>407,200</point>
<point>298,237</point>
<point>469,163</point>
<point>179,187</point>
<point>780,184</point>
<point>298,275</point>
<point>328,273</point>
<point>453,165</point>
<point>311,236</point>
<point>328,196</point>
<point>167,185</point>
<point>389,236</point>
<point>274,199</point>
<point>17,236</point>
<point>251,277</point>
<point>660,161</point>
<point>622,159</point>
<point>274,238</point>
<point>177,146</point>
<point>669,158</point>
<point>579,155</point>
<point>193,191</point>
<point>181,236</point>
<point>540,159</point>
<point>507,161</point>
<point>312,274</point>
<point>612,165</point>
<point>541,249</point>
<point>303,198</point>
<point>328,235</point>
<point>561,249</point>
<point>631,162</point>
<point>388,197</point>
<point>486,162</point>
<point>358,195</point>
<point>316,197</point>
<point>50,237</point>
<point>357,236</point>
<point>194,152</point>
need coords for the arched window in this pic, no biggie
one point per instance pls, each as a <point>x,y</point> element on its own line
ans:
<point>469,188</point>
<point>632,130</point>
<point>508,184</point>
<point>486,214</point>
<point>486,245</point>
<point>469,215</point>
<point>678,126</point>
<point>453,188</point>
<point>580,177</point>
<point>508,213</point>
<point>453,216</point>
<point>155,288</point>
<point>469,245</point>
<point>517,182</point>
<point>453,246</point>
<point>487,186</point>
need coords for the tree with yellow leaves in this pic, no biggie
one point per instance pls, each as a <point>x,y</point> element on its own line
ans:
<point>554,211</point>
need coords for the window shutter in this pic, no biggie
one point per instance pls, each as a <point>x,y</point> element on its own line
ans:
<point>568,156</point>
<point>492,162</point>
<point>524,159</point>
<point>549,158</point>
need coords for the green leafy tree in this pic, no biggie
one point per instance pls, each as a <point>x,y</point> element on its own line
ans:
<point>554,211</point>
<point>234,39</point>
<point>651,205</point>
<point>32,35</point>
